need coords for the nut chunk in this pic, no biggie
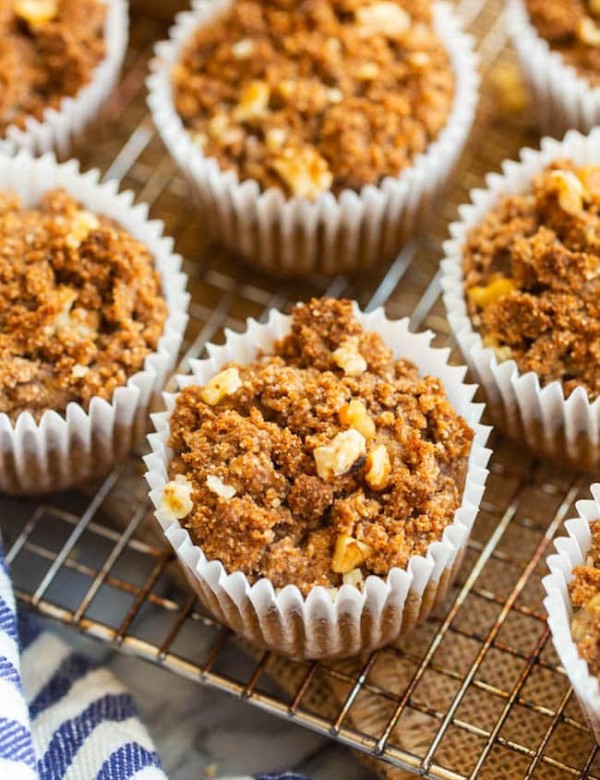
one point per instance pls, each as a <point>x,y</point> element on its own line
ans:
<point>378,468</point>
<point>305,172</point>
<point>349,359</point>
<point>349,554</point>
<point>176,502</point>
<point>337,458</point>
<point>224,383</point>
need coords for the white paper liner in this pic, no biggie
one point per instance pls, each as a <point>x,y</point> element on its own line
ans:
<point>564,430</point>
<point>295,236</point>
<point>59,127</point>
<point>561,98</point>
<point>317,626</point>
<point>62,451</point>
<point>571,551</point>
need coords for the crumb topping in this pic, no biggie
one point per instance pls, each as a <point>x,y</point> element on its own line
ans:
<point>315,95</point>
<point>80,305</point>
<point>532,277</point>
<point>572,28</point>
<point>48,50</point>
<point>585,596</point>
<point>310,475</point>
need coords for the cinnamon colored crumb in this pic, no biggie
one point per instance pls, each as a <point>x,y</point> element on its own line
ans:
<point>321,475</point>
<point>315,95</point>
<point>48,50</point>
<point>585,596</point>
<point>532,277</point>
<point>80,305</point>
<point>572,28</point>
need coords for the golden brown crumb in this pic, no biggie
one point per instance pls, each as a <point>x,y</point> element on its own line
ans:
<point>572,28</point>
<point>48,50</point>
<point>80,305</point>
<point>532,277</point>
<point>585,595</point>
<point>315,95</point>
<point>309,499</point>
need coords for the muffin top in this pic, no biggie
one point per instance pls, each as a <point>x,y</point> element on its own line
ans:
<point>532,277</point>
<point>572,28</point>
<point>80,305</point>
<point>315,95</point>
<point>585,596</point>
<point>320,464</point>
<point>48,50</point>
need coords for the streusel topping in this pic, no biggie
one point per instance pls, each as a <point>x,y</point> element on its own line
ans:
<point>309,472</point>
<point>315,95</point>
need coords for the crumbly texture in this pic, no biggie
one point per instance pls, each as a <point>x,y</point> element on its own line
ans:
<point>80,305</point>
<point>285,521</point>
<point>532,277</point>
<point>585,596</point>
<point>48,50</point>
<point>315,95</point>
<point>572,28</point>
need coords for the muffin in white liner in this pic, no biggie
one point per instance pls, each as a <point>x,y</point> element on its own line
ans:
<point>60,450</point>
<point>562,99</point>
<point>295,236</point>
<point>60,127</point>
<point>352,621</point>
<point>571,551</point>
<point>566,430</point>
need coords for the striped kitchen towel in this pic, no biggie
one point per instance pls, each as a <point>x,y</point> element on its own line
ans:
<point>63,717</point>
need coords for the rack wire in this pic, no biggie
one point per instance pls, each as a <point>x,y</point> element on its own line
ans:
<point>477,691</point>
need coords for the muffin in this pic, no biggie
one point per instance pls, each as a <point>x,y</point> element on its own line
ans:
<point>88,332</point>
<point>57,59</point>
<point>321,461</point>
<point>293,114</point>
<point>558,44</point>
<point>520,290</point>
<point>573,593</point>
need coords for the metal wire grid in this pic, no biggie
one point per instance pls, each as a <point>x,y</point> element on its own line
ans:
<point>477,691</point>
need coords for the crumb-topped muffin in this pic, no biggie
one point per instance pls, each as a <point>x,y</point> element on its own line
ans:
<point>48,51</point>
<point>320,464</point>
<point>572,28</point>
<point>312,96</point>
<point>81,305</point>
<point>585,597</point>
<point>531,277</point>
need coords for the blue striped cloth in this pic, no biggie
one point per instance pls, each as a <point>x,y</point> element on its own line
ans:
<point>63,717</point>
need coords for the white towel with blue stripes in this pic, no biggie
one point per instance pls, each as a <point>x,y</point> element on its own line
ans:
<point>63,717</point>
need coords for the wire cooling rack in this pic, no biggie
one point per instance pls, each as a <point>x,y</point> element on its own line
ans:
<point>475,692</point>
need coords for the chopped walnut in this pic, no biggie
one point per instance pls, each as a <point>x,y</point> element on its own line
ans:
<point>223,384</point>
<point>378,468</point>
<point>569,189</point>
<point>254,102</point>
<point>176,500</point>
<point>589,32</point>
<point>243,49</point>
<point>79,371</point>
<point>340,455</point>
<point>355,415</point>
<point>349,359</point>
<point>384,18</point>
<point>81,226</point>
<point>36,12</point>
<point>275,139</point>
<point>354,577</point>
<point>489,294</point>
<point>219,488</point>
<point>334,95</point>
<point>305,172</point>
<point>349,554</point>
<point>368,71</point>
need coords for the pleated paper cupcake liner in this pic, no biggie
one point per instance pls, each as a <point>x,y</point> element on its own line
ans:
<point>572,551</point>
<point>562,99</point>
<point>58,128</point>
<point>60,451</point>
<point>356,231</point>
<point>355,621</point>
<point>565,430</point>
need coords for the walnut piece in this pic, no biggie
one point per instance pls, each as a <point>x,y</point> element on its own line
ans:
<point>355,415</point>
<point>81,226</point>
<point>379,468</point>
<point>340,455</point>
<point>219,488</point>
<point>176,501</point>
<point>224,383</point>
<point>254,102</point>
<point>569,189</point>
<point>243,49</point>
<point>385,18</point>
<point>589,32</point>
<point>35,12</point>
<point>305,172</point>
<point>349,554</point>
<point>349,359</point>
<point>354,577</point>
<point>492,292</point>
